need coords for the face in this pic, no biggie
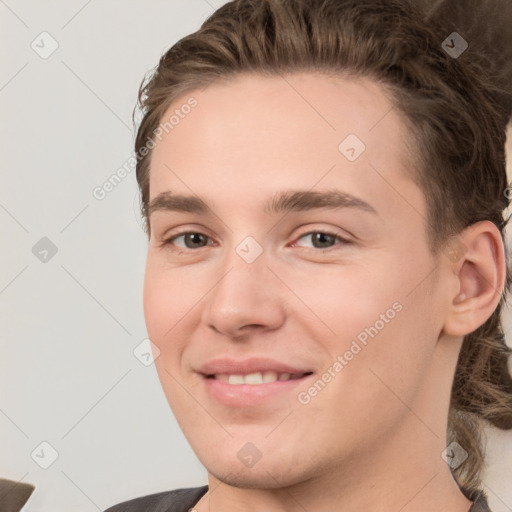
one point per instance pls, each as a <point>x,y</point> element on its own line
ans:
<point>333,296</point>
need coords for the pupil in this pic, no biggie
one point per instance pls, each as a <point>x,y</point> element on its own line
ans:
<point>194,237</point>
<point>321,237</point>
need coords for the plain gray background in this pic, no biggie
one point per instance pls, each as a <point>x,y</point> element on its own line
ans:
<point>72,320</point>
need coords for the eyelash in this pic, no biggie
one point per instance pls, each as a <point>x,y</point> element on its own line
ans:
<point>169,241</point>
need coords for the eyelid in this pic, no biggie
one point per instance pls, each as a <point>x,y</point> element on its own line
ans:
<point>328,232</point>
<point>167,240</point>
<point>170,234</point>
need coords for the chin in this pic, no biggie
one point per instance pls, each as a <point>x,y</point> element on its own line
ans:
<point>274,470</point>
<point>255,478</point>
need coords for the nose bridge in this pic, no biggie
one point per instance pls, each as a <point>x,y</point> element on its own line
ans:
<point>245,274</point>
<point>247,292</point>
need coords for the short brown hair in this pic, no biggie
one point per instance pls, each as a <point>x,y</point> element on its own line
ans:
<point>456,113</point>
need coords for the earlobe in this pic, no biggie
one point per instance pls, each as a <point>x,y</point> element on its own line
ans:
<point>481,273</point>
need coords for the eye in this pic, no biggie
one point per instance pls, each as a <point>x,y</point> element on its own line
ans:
<point>324,239</point>
<point>321,240</point>
<point>193,238</point>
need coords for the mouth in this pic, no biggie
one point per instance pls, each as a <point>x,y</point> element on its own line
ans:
<point>257,378</point>
<point>252,382</point>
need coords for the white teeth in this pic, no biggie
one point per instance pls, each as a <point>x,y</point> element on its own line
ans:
<point>253,378</point>
<point>236,379</point>
<point>269,377</point>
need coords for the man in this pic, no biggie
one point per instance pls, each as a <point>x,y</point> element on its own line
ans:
<point>308,335</point>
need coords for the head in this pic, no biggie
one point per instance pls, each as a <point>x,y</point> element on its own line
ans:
<point>276,96</point>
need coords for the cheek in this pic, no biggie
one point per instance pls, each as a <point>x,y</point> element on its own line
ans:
<point>393,359</point>
<point>156,303</point>
<point>165,298</point>
<point>164,306</point>
<point>172,310</point>
<point>347,300</point>
<point>382,367</point>
<point>380,323</point>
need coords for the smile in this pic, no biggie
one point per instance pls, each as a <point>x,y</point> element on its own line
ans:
<point>256,378</point>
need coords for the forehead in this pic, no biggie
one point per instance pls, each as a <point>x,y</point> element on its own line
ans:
<point>307,104</point>
<point>304,130</point>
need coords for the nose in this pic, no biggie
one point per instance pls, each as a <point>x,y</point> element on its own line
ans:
<point>247,298</point>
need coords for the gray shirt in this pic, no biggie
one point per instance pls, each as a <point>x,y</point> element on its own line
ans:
<point>182,500</point>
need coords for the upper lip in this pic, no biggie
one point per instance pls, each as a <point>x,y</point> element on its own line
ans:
<point>247,366</point>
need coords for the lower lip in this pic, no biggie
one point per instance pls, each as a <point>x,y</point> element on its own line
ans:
<point>247,395</point>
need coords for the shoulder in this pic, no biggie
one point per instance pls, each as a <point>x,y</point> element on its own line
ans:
<point>179,500</point>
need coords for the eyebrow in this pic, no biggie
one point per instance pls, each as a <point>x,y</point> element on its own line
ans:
<point>288,201</point>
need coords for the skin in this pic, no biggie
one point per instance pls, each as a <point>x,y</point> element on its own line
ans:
<point>372,438</point>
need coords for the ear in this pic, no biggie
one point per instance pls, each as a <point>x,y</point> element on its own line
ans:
<point>480,271</point>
